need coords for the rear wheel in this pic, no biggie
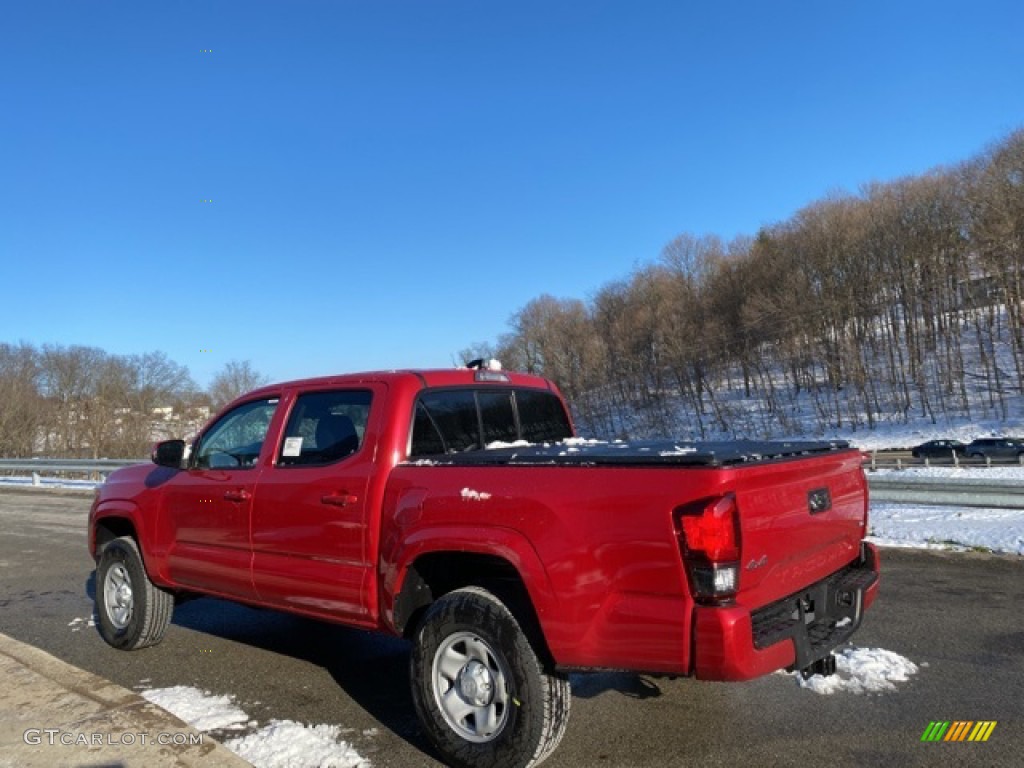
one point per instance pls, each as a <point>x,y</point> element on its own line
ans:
<point>480,690</point>
<point>131,611</point>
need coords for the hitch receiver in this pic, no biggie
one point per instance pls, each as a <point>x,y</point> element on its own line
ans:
<point>823,667</point>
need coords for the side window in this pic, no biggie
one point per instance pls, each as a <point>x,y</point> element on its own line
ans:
<point>324,427</point>
<point>234,442</point>
<point>541,416</point>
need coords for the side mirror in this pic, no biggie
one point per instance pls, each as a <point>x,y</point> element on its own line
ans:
<point>169,453</point>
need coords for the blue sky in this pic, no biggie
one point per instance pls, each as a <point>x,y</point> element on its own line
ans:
<point>391,181</point>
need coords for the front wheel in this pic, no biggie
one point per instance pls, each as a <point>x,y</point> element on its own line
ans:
<point>480,691</point>
<point>131,611</point>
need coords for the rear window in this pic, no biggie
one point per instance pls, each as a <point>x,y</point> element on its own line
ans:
<point>542,417</point>
<point>457,420</point>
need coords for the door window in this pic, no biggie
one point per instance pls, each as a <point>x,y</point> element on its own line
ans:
<point>234,442</point>
<point>324,427</point>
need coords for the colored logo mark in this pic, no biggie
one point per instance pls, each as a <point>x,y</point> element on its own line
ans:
<point>958,730</point>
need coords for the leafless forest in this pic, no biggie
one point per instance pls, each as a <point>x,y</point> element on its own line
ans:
<point>82,402</point>
<point>900,303</point>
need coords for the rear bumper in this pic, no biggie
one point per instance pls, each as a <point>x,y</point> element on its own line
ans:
<point>733,643</point>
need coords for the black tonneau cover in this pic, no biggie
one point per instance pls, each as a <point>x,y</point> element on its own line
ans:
<point>576,452</point>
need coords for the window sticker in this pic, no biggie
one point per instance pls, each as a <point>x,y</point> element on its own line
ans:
<point>292,446</point>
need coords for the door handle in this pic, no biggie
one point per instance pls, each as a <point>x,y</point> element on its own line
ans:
<point>240,495</point>
<point>339,499</point>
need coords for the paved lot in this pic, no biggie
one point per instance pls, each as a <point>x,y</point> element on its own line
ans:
<point>958,616</point>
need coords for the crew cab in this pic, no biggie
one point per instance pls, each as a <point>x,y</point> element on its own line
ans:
<point>458,509</point>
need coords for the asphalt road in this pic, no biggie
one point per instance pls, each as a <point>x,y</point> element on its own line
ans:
<point>960,617</point>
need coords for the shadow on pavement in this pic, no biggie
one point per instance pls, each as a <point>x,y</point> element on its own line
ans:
<point>633,686</point>
<point>370,667</point>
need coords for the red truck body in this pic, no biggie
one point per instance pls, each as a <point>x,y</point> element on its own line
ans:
<point>593,536</point>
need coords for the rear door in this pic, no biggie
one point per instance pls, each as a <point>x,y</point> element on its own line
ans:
<point>309,523</point>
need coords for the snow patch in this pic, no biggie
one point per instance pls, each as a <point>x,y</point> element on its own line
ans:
<point>862,670</point>
<point>288,744</point>
<point>469,494</point>
<point>279,744</point>
<point>497,444</point>
<point>576,441</point>
<point>200,709</point>
<point>678,450</point>
<point>82,623</point>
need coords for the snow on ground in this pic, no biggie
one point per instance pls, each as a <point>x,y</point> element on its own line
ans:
<point>955,473</point>
<point>908,435</point>
<point>79,624</point>
<point>199,709</point>
<point>285,743</point>
<point>952,528</point>
<point>957,528</point>
<point>862,670</point>
<point>279,744</point>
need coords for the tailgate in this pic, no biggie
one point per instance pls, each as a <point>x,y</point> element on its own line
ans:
<point>800,521</point>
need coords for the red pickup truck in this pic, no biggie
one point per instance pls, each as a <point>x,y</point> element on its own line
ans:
<point>457,509</point>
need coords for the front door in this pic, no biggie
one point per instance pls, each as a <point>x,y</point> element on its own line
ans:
<point>208,507</point>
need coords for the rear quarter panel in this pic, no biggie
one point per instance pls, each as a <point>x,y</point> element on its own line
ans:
<point>598,550</point>
<point>605,578</point>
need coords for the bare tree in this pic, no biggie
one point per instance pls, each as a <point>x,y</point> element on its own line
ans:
<point>235,379</point>
<point>21,406</point>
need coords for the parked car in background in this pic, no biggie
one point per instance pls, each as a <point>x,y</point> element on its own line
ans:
<point>939,449</point>
<point>996,448</point>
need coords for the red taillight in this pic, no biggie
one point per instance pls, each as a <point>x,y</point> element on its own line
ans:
<point>709,539</point>
<point>711,529</point>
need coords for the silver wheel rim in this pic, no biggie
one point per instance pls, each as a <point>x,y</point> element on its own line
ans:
<point>117,591</point>
<point>470,687</point>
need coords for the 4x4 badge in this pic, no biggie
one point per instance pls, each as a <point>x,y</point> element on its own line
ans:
<point>761,561</point>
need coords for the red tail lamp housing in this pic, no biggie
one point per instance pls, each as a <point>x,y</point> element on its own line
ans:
<point>709,541</point>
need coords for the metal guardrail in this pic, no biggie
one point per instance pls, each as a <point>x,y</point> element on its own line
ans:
<point>997,493</point>
<point>68,465</point>
<point>39,467</point>
<point>903,460</point>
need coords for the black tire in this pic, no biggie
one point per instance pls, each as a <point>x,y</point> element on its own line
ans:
<point>131,611</point>
<point>500,680</point>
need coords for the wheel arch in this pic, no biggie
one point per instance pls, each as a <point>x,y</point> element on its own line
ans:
<point>515,576</point>
<point>111,527</point>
